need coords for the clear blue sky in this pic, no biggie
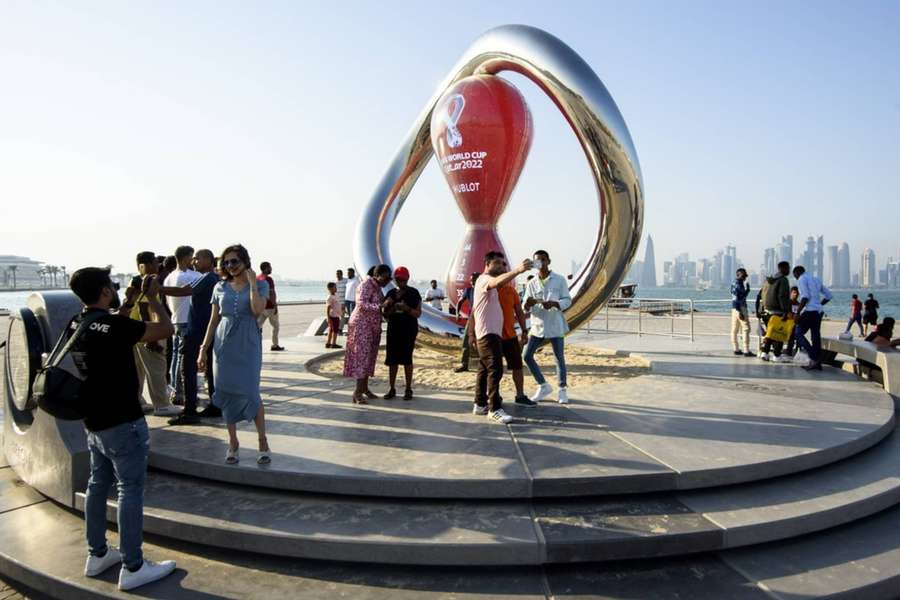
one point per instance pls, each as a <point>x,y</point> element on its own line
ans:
<point>130,126</point>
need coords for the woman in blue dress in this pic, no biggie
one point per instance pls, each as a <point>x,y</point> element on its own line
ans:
<point>236,341</point>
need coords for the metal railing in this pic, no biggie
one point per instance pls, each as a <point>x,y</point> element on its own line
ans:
<point>673,317</point>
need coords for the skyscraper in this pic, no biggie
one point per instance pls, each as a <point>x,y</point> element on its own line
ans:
<point>716,275</point>
<point>819,264</point>
<point>833,278</point>
<point>648,270</point>
<point>867,272</point>
<point>729,264</point>
<point>770,264</point>
<point>808,258</point>
<point>844,266</point>
<point>786,249</point>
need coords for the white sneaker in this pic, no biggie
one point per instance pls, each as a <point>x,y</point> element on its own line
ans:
<point>149,571</point>
<point>784,358</point>
<point>479,410</point>
<point>169,410</point>
<point>97,564</point>
<point>765,356</point>
<point>544,390</point>
<point>500,416</point>
<point>563,396</point>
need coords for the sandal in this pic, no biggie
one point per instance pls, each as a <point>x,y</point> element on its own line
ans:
<point>358,399</point>
<point>369,394</point>
<point>263,457</point>
<point>231,457</point>
<point>392,393</point>
<point>407,395</point>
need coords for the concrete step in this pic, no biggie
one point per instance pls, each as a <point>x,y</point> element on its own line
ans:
<point>518,532</point>
<point>42,546</point>
<point>692,434</point>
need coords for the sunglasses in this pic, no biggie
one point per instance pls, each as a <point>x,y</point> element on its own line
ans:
<point>231,262</point>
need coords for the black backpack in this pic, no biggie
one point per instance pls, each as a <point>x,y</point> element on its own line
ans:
<point>56,390</point>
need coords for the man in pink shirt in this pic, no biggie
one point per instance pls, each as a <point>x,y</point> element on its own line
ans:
<point>488,315</point>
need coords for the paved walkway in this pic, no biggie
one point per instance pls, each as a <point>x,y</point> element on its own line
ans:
<point>700,416</point>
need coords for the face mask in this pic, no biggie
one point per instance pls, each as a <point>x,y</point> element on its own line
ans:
<point>538,264</point>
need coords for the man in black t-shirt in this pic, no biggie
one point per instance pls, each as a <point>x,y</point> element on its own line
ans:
<point>870,313</point>
<point>118,439</point>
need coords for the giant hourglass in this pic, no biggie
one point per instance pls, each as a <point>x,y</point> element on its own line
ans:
<point>481,133</point>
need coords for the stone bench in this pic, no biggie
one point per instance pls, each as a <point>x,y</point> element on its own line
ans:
<point>886,359</point>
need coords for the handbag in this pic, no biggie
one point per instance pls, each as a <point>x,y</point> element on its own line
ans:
<point>56,391</point>
<point>779,329</point>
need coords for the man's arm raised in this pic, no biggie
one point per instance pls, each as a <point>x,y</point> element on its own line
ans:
<point>501,280</point>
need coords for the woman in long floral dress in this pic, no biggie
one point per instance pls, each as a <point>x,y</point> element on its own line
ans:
<point>364,334</point>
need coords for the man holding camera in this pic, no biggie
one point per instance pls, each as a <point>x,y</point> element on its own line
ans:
<point>117,434</point>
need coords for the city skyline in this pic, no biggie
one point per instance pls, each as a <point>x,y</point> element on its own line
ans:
<point>718,270</point>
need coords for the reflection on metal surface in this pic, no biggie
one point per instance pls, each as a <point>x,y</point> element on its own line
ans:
<point>24,345</point>
<point>48,454</point>
<point>596,121</point>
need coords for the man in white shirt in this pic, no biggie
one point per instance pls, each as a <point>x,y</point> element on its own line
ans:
<point>547,296</point>
<point>813,297</point>
<point>435,295</point>
<point>183,276</point>
<point>349,296</point>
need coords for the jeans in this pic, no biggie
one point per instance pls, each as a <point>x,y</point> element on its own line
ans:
<point>811,321</point>
<point>175,367</point>
<point>792,343</point>
<point>119,452</point>
<point>858,320</point>
<point>558,345</point>
<point>349,305</point>
<point>490,372</point>
<point>190,350</point>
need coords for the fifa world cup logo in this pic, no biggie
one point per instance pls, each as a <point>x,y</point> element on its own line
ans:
<point>455,105</point>
<point>481,132</point>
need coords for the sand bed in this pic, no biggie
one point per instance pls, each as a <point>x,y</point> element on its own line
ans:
<point>433,370</point>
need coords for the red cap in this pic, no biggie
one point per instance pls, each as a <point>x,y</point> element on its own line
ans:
<point>401,273</point>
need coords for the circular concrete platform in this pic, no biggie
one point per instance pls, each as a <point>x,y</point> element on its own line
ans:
<point>708,421</point>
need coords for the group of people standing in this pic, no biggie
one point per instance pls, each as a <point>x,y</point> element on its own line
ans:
<point>401,307</point>
<point>788,313</point>
<point>785,314</point>
<point>496,310</point>
<point>216,328</point>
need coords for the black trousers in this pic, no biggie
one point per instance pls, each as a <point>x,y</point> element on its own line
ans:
<point>190,352</point>
<point>490,372</point>
<point>466,348</point>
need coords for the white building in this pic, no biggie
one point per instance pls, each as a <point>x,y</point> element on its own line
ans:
<point>20,272</point>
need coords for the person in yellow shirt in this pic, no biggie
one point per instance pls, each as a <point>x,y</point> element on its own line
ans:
<point>150,357</point>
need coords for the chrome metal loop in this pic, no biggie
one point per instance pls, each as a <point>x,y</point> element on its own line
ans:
<point>596,121</point>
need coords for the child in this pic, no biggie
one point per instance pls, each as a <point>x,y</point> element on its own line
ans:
<point>334,308</point>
